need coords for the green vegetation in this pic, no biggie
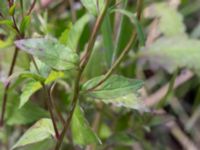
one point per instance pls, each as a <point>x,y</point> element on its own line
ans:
<point>99,74</point>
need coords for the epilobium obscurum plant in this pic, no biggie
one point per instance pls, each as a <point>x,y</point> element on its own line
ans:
<point>75,71</point>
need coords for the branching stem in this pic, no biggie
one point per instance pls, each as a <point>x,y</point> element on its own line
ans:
<point>124,52</point>
<point>83,64</point>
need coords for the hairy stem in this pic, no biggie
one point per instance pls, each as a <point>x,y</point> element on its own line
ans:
<point>82,67</point>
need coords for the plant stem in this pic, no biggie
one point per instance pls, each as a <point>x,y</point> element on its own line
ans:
<point>124,52</point>
<point>74,102</point>
<point>54,104</point>
<point>48,102</point>
<point>7,87</point>
<point>31,8</point>
<point>82,67</point>
<point>93,36</point>
<point>50,107</point>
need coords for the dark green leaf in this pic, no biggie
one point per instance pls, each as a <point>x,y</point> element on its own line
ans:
<point>107,34</point>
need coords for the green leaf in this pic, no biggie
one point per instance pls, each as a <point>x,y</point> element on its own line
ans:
<point>92,70</point>
<point>32,86</point>
<point>51,52</point>
<point>44,70</point>
<point>65,35</point>
<point>106,30</point>
<point>70,37</point>
<point>27,114</point>
<point>25,23</point>
<point>171,21</point>
<point>6,22</point>
<point>41,130</point>
<point>135,22</point>
<point>81,131</point>
<point>25,75</point>
<point>54,75</point>
<point>172,53</point>
<point>118,90</point>
<point>47,144</point>
<point>93,6</point>
<point>12,9</point>
<point>29,88</point>
<point>6,43</point>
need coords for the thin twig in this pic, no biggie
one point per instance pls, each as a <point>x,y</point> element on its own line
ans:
<point>31,8</point>
<point>182,138</point>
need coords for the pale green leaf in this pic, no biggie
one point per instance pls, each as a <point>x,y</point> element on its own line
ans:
<point>117,90</point>
<point>81,131</point>
<point>113,87</point>
<point>51,52</point>
<point>47,144</point>
<point>29,88</point>
<point>171,21</point>
<point>172,53</point>
<point>71,35</point>
<point>41,130</point>
<point>42,69</point>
